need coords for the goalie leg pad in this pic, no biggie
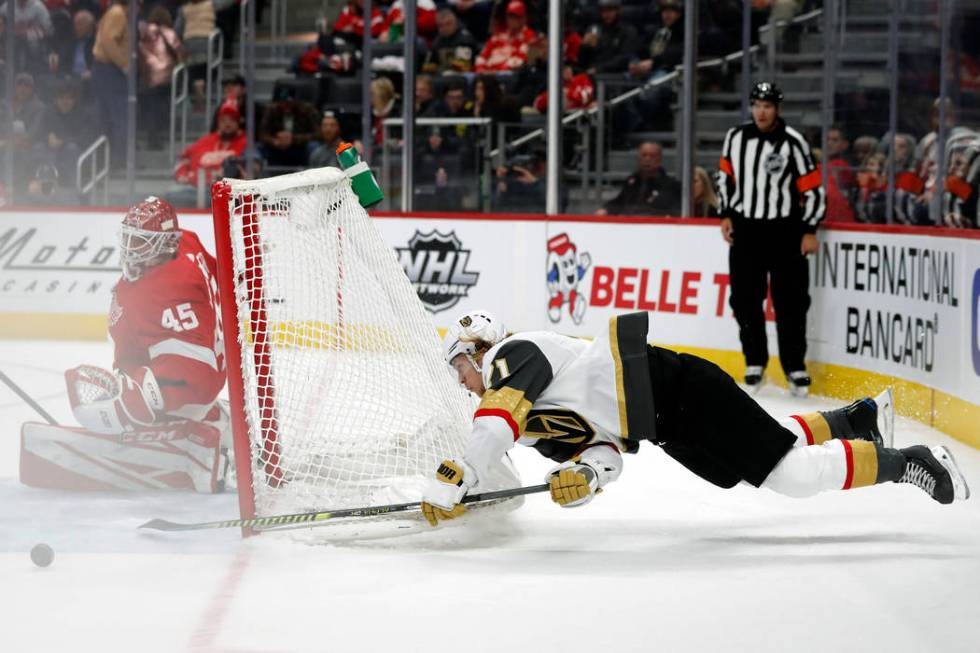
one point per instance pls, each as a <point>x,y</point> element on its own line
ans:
<point>183,455</point>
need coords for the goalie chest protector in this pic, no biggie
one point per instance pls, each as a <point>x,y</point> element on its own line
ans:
<point>559,393</point>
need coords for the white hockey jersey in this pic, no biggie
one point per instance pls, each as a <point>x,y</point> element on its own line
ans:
<point>560,395</point>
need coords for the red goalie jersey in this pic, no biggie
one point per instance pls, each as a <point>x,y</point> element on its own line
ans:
<point>169,320</point>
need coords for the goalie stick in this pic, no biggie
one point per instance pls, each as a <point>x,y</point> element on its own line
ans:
<point>27,399</point>
<point>314,517</point>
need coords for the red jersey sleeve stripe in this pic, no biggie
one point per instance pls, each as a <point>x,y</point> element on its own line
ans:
<point>502,414</point>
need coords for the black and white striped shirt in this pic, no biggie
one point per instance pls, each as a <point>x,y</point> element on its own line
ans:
<point>770,176</point>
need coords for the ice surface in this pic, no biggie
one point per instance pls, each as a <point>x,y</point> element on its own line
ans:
<point>660,561</point>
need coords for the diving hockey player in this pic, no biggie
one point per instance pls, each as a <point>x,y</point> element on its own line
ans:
<point>584,404</point>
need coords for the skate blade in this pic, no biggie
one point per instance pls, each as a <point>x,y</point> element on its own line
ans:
<point>961,490</point>
<point>799,391</point>
<point>886,416</point>
<point>753,389</point>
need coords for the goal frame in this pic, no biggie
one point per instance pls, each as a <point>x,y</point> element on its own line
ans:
<point>234,363</point>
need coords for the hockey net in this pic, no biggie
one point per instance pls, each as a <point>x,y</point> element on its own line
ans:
<point>343,397</point>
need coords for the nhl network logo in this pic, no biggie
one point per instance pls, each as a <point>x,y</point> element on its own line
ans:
<point>436,265</point>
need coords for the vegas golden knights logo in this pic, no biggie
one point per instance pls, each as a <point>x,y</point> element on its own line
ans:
<point>558,424</point>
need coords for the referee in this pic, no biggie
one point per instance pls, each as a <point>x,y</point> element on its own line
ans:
<point>771,202</point>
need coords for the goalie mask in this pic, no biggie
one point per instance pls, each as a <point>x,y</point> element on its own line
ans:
<point>469,332</point>
<point>149,235</point>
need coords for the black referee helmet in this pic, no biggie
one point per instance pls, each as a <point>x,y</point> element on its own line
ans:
<point>766,91</point>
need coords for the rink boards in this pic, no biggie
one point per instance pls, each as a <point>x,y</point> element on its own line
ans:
<point>896,306</point>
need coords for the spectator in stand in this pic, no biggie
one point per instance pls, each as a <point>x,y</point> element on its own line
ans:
<point>651,108</point>
<point>507,50</point>
<point>962,186</point>
<point>864,146</point>
<point>63,132</point>
<point>394,23</point>
<point>288,125</point>
<point>73,55</point>
<point>208,153</point>
<point>27,111</point>
<point>705,204</point>
<point>521,186</point>
<point>438,167</point>
<point>572,41</point>
<point>608,46</point>
<point>579,91</point>
<point>872,181</point>
<point>195,22</point>
<point>160,50</point>
<point>841,180</point>
<point>384,104</point>
<point>425,95</point>
<point>109,71</point>
<point>454,49</point>
<point>532,76</point>
<point>785,39</point>
<point>904,150</point>
<point>926,153</point>
<point>720,28</point>
<point>475,16</point>
<point>234,89</point>
<point>324,151</point>
<point>454,105</point>
<point>490,101</point>
<point>648,191</point>
<point>350,23</point>
<point>32,27</point>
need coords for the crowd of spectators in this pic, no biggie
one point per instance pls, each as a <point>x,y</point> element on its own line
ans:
<point>858,176</point>
<point>475,59</point>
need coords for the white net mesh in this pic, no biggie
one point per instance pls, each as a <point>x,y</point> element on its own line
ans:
<point>347,399</point>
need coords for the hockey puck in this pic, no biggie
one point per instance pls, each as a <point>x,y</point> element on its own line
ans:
<point>42,555</point>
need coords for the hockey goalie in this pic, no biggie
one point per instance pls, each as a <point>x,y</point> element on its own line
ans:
<point>154,421</point>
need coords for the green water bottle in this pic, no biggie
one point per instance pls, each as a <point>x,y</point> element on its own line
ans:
<point>362,179</point>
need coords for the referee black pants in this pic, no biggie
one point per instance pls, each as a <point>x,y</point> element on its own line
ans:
<point>766,254</point>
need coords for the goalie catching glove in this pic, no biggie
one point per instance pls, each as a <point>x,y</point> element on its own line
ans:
<point>442,496</point>
<point>107,402</point>
<point>575,482</point>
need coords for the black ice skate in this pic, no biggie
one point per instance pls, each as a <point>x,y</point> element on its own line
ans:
<point>799,383</point>
<point>935,472</point>
<point>755,378</point>
<point>871,419</point>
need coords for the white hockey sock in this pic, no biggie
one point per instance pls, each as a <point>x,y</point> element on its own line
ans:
<point>833,465</point>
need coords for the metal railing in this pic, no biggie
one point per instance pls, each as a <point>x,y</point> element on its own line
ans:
<point>243,35</point>
<point>277,28</point>
<point>212,83</point>
<point>89,159</point>
<point>179,100</point>
<point>484,144</point>
<point>603,104</point>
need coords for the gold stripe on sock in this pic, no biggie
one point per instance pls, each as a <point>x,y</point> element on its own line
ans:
<point>819,428</point>
<point>865,463</point>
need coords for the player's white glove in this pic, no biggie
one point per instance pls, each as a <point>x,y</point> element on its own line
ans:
<point>107,402</point>
<point>442,495</point>
<point>573,484</point>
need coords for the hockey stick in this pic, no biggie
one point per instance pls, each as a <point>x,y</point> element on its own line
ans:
<point>27,399</point>
<point>308,517</point>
